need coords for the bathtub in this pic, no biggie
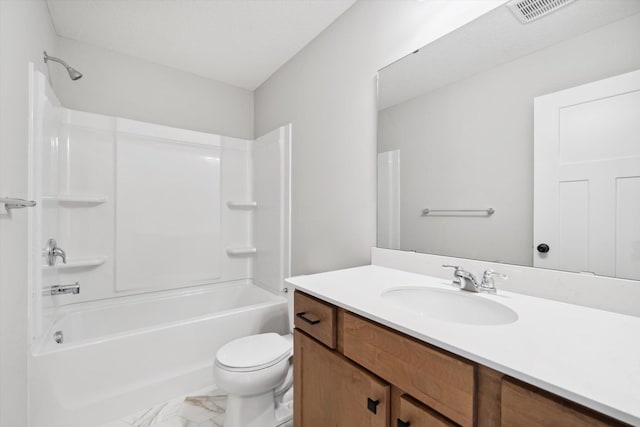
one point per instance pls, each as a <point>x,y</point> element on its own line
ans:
<point>126,354</point>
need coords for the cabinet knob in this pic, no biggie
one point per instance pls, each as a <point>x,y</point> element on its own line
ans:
<point>372,405</point>
<point>403,423</point>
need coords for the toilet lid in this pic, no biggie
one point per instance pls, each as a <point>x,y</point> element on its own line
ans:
<point>254,352</point>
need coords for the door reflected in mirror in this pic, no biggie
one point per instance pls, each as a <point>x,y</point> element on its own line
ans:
<point>518,143</point>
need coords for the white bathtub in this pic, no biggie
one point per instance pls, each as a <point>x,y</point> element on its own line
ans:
<point>126,354</point>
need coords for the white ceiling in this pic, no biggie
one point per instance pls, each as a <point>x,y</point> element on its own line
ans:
<point>239,42</point>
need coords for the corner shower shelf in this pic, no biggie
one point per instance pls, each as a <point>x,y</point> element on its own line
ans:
<point>238,204</point>
<point>80,262</point>
<point>77,199</point>
<point>241,251</point>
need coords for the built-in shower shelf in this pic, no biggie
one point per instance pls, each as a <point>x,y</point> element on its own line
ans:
<point>77,199</point>
<point>242,204</point>
<point>241,251</point>
<point>80,263</point>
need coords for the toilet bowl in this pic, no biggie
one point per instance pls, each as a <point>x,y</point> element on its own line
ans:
<point>256,373</point>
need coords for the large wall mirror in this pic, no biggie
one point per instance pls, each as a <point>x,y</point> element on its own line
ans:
<point>518,142</point>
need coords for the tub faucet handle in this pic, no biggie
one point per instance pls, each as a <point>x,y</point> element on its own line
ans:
<point>52,251</point>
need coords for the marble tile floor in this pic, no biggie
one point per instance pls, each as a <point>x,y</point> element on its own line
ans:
<point>201,409</point>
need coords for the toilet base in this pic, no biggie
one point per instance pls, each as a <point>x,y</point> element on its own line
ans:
<point>256,411</point>
<point>284,415</point>
<point>250,411</point>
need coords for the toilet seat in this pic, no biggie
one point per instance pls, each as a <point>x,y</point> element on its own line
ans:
<point>241,354</point>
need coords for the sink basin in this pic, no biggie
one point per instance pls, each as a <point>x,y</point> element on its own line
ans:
<point>451,305</point>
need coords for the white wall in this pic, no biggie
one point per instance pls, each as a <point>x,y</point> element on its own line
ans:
<point>446,165</point>
<point>119,85</point>
<point>25,31</point>
<point>328,92</point>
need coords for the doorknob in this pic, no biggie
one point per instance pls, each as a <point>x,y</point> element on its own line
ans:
<point>543,248</point>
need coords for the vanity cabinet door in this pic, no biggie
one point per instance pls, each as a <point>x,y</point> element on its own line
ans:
<point>412,414</point>
<point>330,391</point>
<point>522,406</point>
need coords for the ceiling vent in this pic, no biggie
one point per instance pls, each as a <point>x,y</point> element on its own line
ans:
<point>530,10</point>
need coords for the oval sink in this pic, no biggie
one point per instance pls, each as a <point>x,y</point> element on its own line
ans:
<point>451,305</point>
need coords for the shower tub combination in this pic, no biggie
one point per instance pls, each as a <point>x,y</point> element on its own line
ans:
<point>147,322</point>
<point>122,355</point>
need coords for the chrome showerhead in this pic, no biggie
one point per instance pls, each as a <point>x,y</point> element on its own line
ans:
<point>73,73</point>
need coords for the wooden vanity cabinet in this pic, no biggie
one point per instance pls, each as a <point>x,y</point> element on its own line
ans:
<point>332,391</point>
<point>352,372</point>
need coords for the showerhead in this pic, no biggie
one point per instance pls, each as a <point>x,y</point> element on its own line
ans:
<point>73,73</point>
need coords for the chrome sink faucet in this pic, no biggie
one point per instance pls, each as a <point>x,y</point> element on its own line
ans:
<point>466,281</point>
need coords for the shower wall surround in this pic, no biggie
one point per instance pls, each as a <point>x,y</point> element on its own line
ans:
<point>167,208</point>
<point>140,207</point>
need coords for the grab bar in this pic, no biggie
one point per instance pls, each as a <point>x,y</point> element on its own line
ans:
<point>14,203</point>
<point>488,211</point>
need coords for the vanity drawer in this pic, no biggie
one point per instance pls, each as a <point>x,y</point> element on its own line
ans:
<point>316,318</point>
<point>412,414</point>
<point>523,406</point>
<point>443,382</point>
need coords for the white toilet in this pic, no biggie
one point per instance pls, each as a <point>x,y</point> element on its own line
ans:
<point>256,373</point>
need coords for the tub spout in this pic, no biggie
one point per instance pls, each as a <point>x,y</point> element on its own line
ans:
<point>62,289</point>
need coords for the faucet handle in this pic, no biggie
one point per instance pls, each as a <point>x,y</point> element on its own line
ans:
<point>487,279</point>
<point>488,274</point>
<point>52,251</point>
<point>456,279</point>
<point>60,253</point>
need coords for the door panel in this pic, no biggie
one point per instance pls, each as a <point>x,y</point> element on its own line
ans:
<point>573,239</point>
<point>600,129</point>
<point>586,153</point>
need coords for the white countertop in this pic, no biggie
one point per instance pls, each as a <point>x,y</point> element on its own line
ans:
<point>589,356</point>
